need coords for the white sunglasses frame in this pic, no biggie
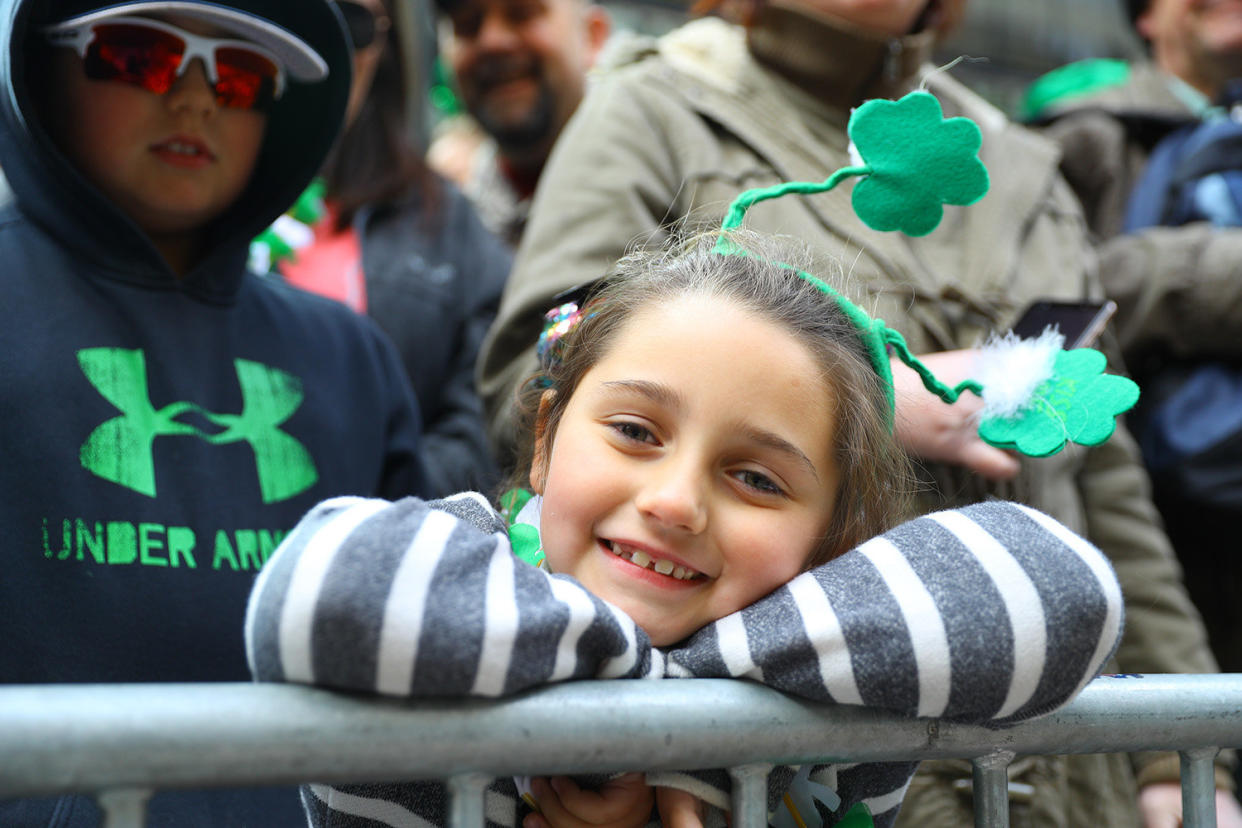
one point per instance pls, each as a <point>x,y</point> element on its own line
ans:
<point>80,36</point>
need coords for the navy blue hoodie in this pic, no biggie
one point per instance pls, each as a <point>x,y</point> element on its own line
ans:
<point>158,436</point>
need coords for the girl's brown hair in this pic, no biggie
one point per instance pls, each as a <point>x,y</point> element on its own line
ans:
<point>873,471</point>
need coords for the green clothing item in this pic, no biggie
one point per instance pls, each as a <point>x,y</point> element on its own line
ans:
<point>677,127</point>
<point>1084,77</point>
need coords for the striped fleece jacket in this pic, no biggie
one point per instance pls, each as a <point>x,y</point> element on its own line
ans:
<point>419,598</point>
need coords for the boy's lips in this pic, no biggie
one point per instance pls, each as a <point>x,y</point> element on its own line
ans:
<point>652,560</point>
<point>184,150</point>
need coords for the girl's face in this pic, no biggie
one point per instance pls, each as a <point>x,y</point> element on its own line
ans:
<point>693,470</point>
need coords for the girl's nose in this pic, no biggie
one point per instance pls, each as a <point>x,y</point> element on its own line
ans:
<point>675,496</point>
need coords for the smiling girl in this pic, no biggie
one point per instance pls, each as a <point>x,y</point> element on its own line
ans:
<point>708,446</point>
<point>713,429</point>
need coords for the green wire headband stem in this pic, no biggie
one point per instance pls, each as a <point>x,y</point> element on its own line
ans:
<point>945,392</point>
<point>914,161</point>
<point>877,337</point>
<point>737,210</point>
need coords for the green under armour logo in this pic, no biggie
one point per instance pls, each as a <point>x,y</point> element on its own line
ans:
<point>120,450</point>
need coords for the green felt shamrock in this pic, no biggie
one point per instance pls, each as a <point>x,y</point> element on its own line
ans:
<point>1078,404</point>
<point>917,160</point>
<point>913,161</point>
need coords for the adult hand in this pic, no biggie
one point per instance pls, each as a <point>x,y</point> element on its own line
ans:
<point>624,802</point>
<point>679,809</point>
<point>930,429</point>
<point>1161,807</point>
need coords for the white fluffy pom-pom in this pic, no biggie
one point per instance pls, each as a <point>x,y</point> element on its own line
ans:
<point>856,159</point>
<point>1011,368</point>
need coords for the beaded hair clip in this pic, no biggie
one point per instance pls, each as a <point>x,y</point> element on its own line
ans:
<point>912,160</point>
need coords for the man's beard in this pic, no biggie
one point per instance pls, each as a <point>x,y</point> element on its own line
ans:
<point>528,129</point>
<point>527,132</point>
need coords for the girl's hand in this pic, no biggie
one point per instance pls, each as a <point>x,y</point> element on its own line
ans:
<point>1161,806</point>
<point>930,429</point>
<point>679,809</point>
<point>624,802</point>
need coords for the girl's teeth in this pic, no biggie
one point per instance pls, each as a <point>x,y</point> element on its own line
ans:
<point>664,567</point>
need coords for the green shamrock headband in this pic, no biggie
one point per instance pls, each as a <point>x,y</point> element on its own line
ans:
<point>913,161</point>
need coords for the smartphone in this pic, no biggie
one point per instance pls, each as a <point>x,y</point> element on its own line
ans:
<point>1079,322</point>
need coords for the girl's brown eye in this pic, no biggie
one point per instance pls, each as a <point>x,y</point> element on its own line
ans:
<point>759,482</point>
<point>632,431</point>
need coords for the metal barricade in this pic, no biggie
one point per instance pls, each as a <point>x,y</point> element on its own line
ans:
<point>121,742</point>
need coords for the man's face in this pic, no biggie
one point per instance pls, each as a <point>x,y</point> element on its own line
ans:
<point>521,64</point>
<point>1200,41</point>
<point>891,18</point>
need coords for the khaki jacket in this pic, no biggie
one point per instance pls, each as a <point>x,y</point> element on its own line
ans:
<point>667,138</point>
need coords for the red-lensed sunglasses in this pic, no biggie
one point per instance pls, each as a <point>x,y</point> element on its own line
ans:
<point>153,54</point>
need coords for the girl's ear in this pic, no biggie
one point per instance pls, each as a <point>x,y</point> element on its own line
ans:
<point>543,447</point>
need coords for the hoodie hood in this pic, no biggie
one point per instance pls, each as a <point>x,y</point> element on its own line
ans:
<point>50,191</point>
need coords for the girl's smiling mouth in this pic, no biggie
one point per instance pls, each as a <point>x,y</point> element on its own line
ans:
<point>645,560</point>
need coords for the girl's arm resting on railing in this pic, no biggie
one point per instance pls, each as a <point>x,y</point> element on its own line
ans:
<point>418,598</point>
<point>990,612</point>
<point>993,612</point>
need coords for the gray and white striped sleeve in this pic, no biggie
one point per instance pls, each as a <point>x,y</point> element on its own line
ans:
<point>993,612</point>
<point>418,598</point>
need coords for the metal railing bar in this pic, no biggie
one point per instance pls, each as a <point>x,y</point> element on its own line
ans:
<point>124,807</point>
<point>991,789</point>
<point>1198,788</point>
<point>466,792</point>
<point>72,738</point>
<point>750,795</point>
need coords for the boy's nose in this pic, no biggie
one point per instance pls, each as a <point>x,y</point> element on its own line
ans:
<point>192,90</point>
<point>675,497</point>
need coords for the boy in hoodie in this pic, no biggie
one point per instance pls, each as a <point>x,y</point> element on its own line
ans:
<point>166,416</point>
